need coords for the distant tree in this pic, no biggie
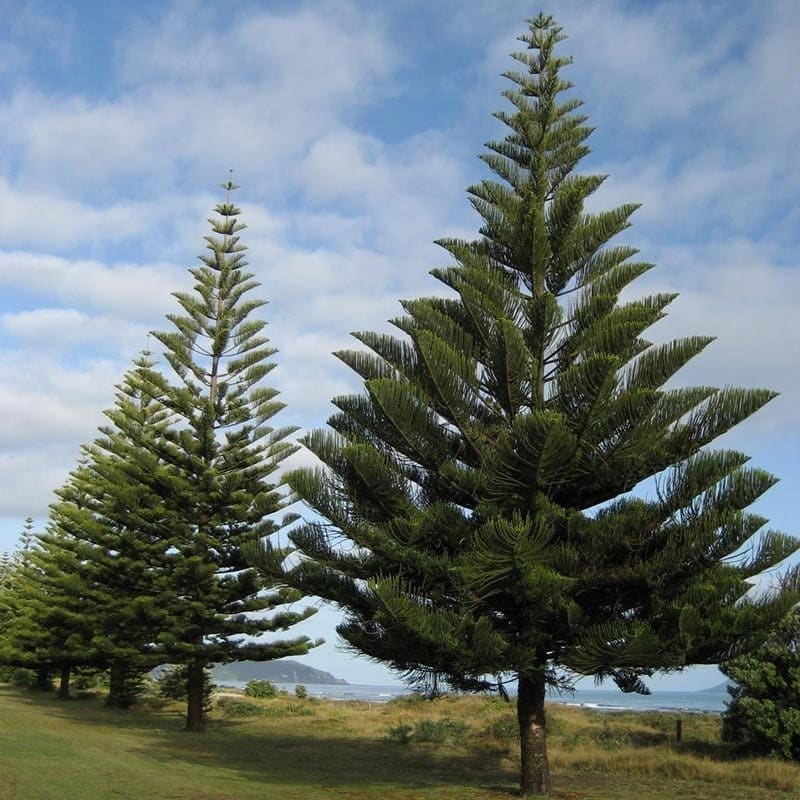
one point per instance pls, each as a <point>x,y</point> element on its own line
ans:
<point>6,566</point>
<point>474,500</point>
<point>764,711</point>
<point>114,523</point>
<point>27,537</point>
<point>260,688</point>
<point>44,624</point>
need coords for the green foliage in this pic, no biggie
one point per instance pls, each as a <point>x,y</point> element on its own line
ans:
<point>763,714</point>
<point>87,678</point>
<point>504,728</point>
<point>24,678</point>
<point>292,708</point>
<point>126,683</point>
<point>611,737</point>
<point>238,708</point>
<point>300,692</point>
<point>401,733</point>
<point>475,497</point>
<point>43,624</point>
<point>438,731</point>
<point>142,561</point>
<point>260,688</point>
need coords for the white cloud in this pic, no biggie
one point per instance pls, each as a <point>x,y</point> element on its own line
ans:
<point>254,92</point>
<point>139,292</point>
<point>46,401</point>
<point>51,329</point>
<point>19,495</point>
<point>341,214</point>
<point>745,294</point>
<point>44,219</point>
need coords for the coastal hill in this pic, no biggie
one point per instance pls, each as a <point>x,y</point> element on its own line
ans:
<point>279,671</point>
<point>720,688</point>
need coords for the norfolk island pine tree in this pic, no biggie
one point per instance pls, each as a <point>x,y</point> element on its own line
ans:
<point>220,453</point>
<point>482,481</point>
<point>44,625</point>
<point>114,521</point>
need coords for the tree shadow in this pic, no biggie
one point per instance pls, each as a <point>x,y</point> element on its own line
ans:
<point>294,756</point>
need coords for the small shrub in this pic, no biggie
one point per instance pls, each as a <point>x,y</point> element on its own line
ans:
<point>611,737</point>
<point>429,731</point>
<point>84,678</point>
<point>439,731</point>
<point>505,729</point>
<point>290,709</point>
<point>400,734</point>
<point>23,678</point>
<point>300,691</point>
<point>255,688</point>
<point>238,708</point>
<point>171,683</point>
<point>555,725</point>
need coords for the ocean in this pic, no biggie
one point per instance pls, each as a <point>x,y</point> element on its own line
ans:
<point>598,699</point>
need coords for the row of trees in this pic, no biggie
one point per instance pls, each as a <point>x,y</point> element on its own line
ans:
<point>474,516</point>
<point>142,562</point>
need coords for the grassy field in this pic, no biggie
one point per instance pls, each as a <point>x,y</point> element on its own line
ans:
<point>451,748</point>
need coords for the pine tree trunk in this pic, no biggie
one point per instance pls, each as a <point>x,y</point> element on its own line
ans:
<point>535,770</point>
<point>116,686</point>
<point>195,715</point>
<point>63,686</point>
<point>43,679</point>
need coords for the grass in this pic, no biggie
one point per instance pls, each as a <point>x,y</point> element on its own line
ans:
<point>287,748</point>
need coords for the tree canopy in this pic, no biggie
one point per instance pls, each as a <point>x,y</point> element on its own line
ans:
<point>763,714</point>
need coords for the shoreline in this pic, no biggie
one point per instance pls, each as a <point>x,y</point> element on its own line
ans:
<point>598,700</point>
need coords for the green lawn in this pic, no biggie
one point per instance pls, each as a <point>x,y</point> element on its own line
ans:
<point>77,750</point>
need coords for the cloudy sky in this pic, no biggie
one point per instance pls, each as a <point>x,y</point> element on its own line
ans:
<point>353,129</point>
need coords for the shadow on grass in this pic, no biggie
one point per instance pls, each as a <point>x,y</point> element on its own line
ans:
<point>306,757</point>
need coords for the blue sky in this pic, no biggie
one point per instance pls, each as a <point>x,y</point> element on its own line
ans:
<point>353,128</point>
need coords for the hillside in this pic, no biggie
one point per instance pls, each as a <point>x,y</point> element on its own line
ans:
<point>720,688</point>
<point>281,670</point>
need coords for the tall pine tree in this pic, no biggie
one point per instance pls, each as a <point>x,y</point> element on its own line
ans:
<point>483,476</point>
<point>218,454</point>
<point>116,524</point>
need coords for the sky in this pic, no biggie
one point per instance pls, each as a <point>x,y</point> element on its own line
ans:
<point>353,128</point>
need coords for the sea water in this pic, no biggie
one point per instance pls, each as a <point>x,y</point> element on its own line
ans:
<point>598,699</point>
<point>610,700</point>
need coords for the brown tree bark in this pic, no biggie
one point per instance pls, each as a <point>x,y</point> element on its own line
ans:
<point>534,769</point>
<point>63,686</point>
<point>116,686</point>
<point>43,679</point>
<point>195,714</point>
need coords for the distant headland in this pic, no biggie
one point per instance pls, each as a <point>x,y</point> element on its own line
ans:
<point>278,671</point>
